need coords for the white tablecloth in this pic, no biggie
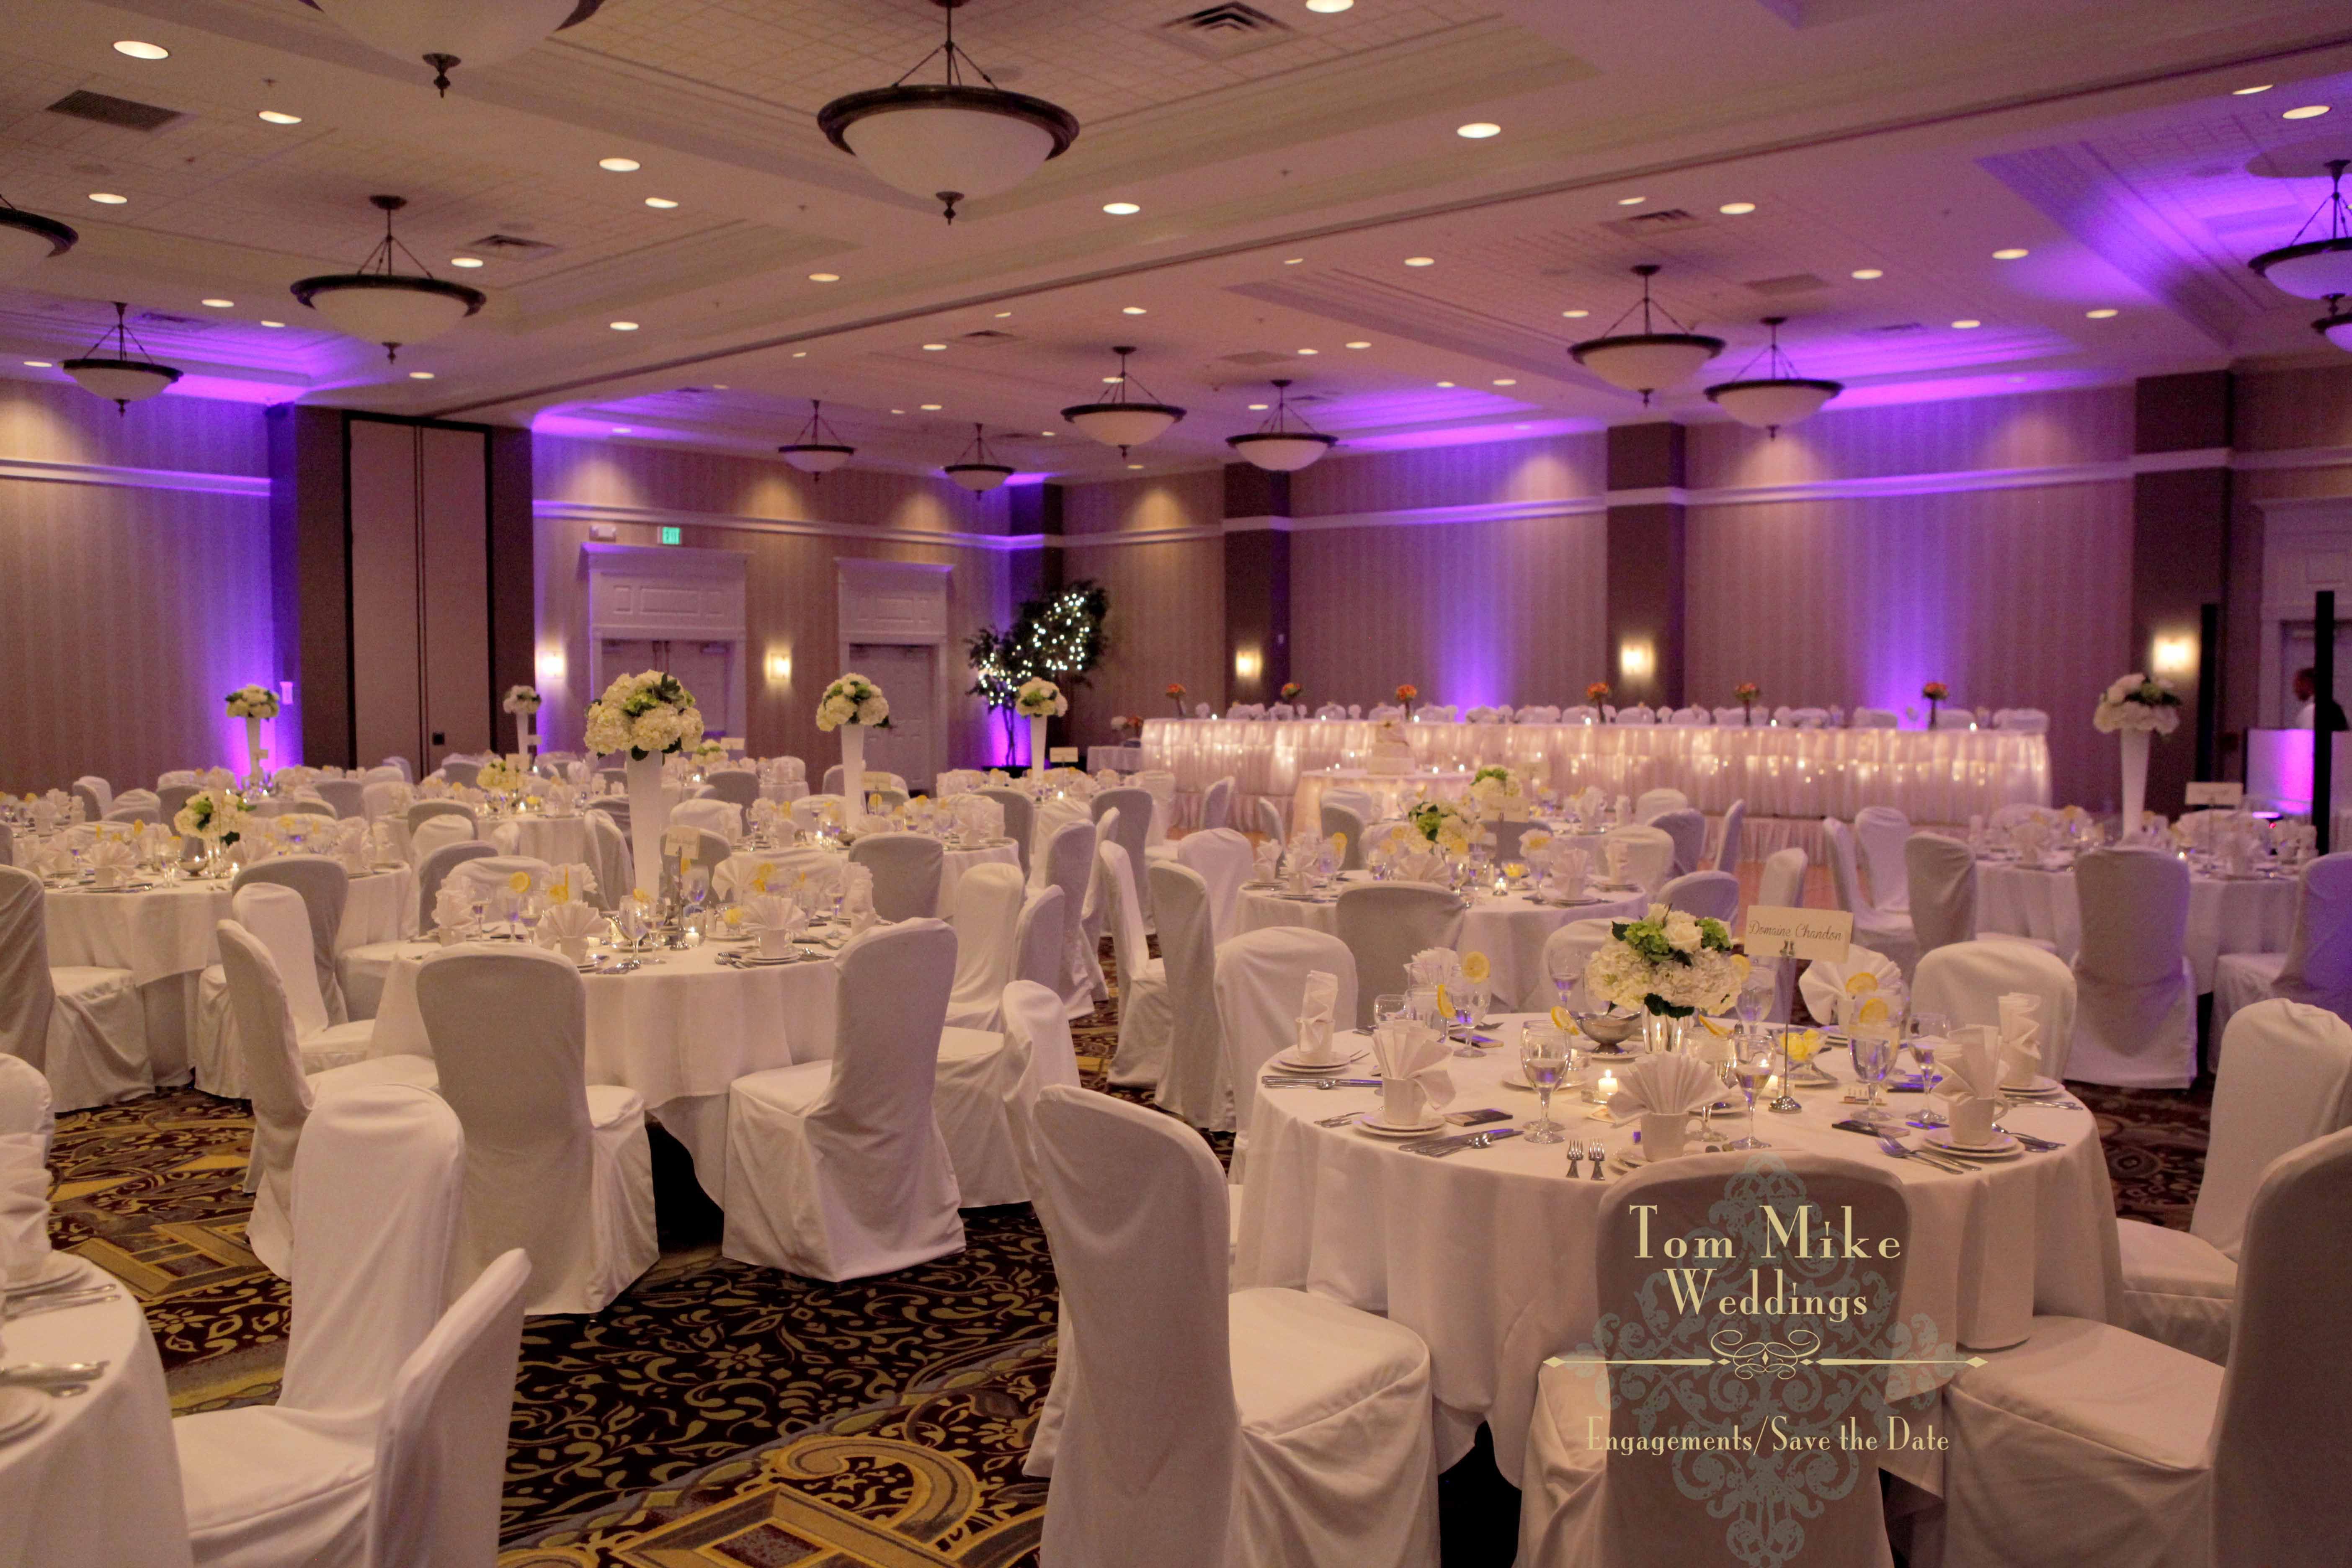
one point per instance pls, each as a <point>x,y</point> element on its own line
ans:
<point>1390,792</point>
<point>2255,914</point>
<point>97,1483</point>
<point>953,864</point>
<point>558,840</point>
<point>1510,931</point>
<point>1488,1256</point>
<point>1932,775</point>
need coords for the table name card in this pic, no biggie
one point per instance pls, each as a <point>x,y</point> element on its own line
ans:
<point>1063,754</point>
<point>2216,793</point>
<point>1778,931</point>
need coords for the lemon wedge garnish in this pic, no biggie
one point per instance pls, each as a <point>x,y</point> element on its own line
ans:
<point>1475,967</point>
<point>1562,1022</point>
<point>519,881</point>
<point>1720,1031</point>
<point>1874,1011</point>
<point>1856,984</point>
<point>1443,1005</point>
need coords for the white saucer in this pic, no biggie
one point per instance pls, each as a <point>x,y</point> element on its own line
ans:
<point>1383,1130</point>
<point>1283,1063</point>
<point>21,1410</point>
<point>2041,1087</point>
<point>62,1268</point>
<point>752,960</point>
<point>1940,1140</point>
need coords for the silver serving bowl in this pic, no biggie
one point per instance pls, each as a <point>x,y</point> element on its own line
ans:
<point>1609,1028</point>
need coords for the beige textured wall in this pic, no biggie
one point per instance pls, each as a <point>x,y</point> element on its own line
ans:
<point>1167,620</point>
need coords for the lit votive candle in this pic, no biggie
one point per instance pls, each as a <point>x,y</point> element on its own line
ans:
<point>1607,1086</point>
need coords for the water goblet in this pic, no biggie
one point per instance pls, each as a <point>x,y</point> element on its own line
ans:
<point>1387,1005</point>
<point>1874,1057</point>
<point>1544,1059</point>
<point>1927,1035</point>
<point>1749,1070</point>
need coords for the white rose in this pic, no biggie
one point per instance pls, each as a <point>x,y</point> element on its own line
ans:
<point>873,710</point>
<point>1682,931</point>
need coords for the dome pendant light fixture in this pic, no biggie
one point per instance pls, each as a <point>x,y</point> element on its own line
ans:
<point>387,307</point>
<point>1645,360</point>
<point>1118,421</point>
<point>2316,268</point>
<point>976,470</point>
<point>950,140</point>
<point>812,453</point>
<point>28,237</point>
<point>445,33</point>
<point>1780,396</point>
<point>1276,447</point>
<point>117,376</point>
<point>2336,325</point>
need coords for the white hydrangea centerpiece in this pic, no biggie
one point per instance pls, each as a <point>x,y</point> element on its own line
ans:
<point>1670,962</point>
<point>2135,702</point>
<point>711,750</point>
<point>1494,787</point>
<point>523,699</point>
<point>253,702</point>
<point>1445,824</point>
<point>851,700</point>
<point>646,715</point>
<point>215,815</point>
<point>1040,699</point>
<point>498,777</point>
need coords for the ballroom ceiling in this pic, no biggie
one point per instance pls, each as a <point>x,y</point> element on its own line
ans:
<point>1287,166</point>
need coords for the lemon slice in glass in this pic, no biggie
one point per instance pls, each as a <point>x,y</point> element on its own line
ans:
<point>1874,1011</point>
<point>1856,984</point>
<point>1474,968</point>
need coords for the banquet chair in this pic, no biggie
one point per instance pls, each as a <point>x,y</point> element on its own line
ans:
<point>1217,802</point>
<point>1686,717</point>
<point>1655,803</point>
<point>555,1165</point>
<point>1687,828</point>
<point>1193,1083</point>
<point>171,797</point>
<point>1260,981</point>
<point>1583,1504</point>
<point>1734,715</point>
<point>1823,983</point>
<point>1384,924</point>
<point>363,969</point>
<point>608,854</point>
<point>615,776</point>
<point>2315,968</point>
<point>420,811</point>
<point>1803,718</point>
<point>1020,818</point>
<point>2023,720</point>
<point>1223,858</point>
<point>810,812</point>
<point>875,779</point>
<point>1133,834</point>
<point>347,797</point>
<point>1507,835</point>
<point>1566,953</point>
<point>1875,928</point>
<point>462,771</point>
<point>407,769</point>
<point>290,1482</point>
<point>710,851</point>
<point>738,786</point>
<point>1941,876</point>
<point>489,880</point>
<point>836,1170</point>
<point>2090,1443</point>
<point>717,817</point>
<point>273,805</point>
<point>2285,1080</point>
<point>26,1107</point>
<point>171,777</point>
<point>1037,938</point>
<point>1649,854</point>
<point>1205,1427</point>
<point>906,868</point>
<point>988,901</point>
<point>1964,982</point>
<point>1880,832</point>
<point>94,796</point>
<point>325,886</point>
<point>811,876</point>
<point>2135,1008</point>
<point>1873,719</point>
<point>1070,865</point>
<point>1160,786</point>
<point>1952,716</point>
<point>1144,1022</point>
<point>281,1092</point>
<point>977,1066</point>
<point>1709,895</point>
<point>1344,823</point>
<point>133,813</point>
<point>376,801</point>
<point>1269,820</point>
<point>1735,828</point>
<point>1637,714</point>
<point>83,1027</point>
<point>1038,1037</point>
<point>276,917</point>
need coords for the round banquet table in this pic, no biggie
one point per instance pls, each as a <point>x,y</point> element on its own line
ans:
<point>1510,931</point>
<point>1488,1254</point>
<point>678,1031</point>
<point>953,864</point>
<point>97,1483</point>
<point>1391,791</point>
<point>2226,914</point>
<point>558,840</point>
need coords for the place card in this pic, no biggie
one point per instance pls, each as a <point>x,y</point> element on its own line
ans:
<point>1061,755</point>
<point>1778,932</point>
<point>2217,792</point>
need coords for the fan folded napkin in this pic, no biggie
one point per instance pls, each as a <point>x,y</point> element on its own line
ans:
<point>1266,857</point>
<point>2020,1039</point>
<point>1569,865</point>
<point>572,883</point>
<point>1409,1051</point>
<point>773,912</point>
<point>452,909</point>
<point>113,860</point>
<point>746,875</point>
<point>1434,967</point>
<point>563,800</point>
<point>1969,1063</point>
<point>24,1207</point>
<point>1316,1044</point>
<point>1665,1084</point>
<point>568,927</point>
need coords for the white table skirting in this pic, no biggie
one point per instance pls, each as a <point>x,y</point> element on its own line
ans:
<point>1931,776</point>
<point>2255,914</point>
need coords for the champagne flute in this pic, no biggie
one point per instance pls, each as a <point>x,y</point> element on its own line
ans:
<point>1544,1059</point>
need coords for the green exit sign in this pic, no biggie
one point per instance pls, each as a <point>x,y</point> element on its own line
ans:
<point>673,536</point>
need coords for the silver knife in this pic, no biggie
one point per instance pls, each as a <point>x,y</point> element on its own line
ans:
<point>1287,1083</point>
<point>1438,1148</point>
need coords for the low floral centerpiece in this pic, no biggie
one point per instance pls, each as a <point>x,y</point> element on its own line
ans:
<point>1668,964</point>
<point>2132,709</point>
<point>1598,694</point>
<point>499,777</point>
<point>1125,723</point>
<point>1038,701</point>
<point>1445,824</point>
<point>648,715</point>
<point>215,816</point>
<point>1499,792</point>
<point>1291,691</point>
<point>253,704</point>
<point>524,703</point>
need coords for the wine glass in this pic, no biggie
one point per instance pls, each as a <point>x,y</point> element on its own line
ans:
<point>1544,1059</point>
<point>1467,1004</point>
<point>1387,1005</point>
<point>1873,1058</point>
<point>1757,992</point>
<point>1749,1069</point>
<point>1928,1033</point>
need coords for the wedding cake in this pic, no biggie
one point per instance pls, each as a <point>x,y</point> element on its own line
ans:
<point>1391,753</point>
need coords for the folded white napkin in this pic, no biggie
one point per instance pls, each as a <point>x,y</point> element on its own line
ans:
<point>634,915</point>
<point>1434,967</point>
<point>574,882</point>
<point>773,912</point>
<point>1624,809</point>
<point>1665,1084</point>
<point>2020,1039</point>
<point>858,889</point>
<point>1970,1062</point>
<point>1314,1041</point>
<point>453,907</point>
<point>1265,858</point>
<point>24,1206</point>
<point>1570,866</point>
<point>570,923</point>
<point>563,799</point>
<point>1406,1049</point>
<point>113,860</point>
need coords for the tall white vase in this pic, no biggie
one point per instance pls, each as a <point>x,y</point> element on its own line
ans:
<point>1036,743</point>
<point>853,772</point>
<point>648,820</point>
<point>254,754</point>
<point>2134,744</point>
<point>525,742</point>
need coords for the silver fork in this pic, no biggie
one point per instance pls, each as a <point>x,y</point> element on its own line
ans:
<point>1597,1154</point>
<point>1342,1120</point>
<point>1896,1147</point>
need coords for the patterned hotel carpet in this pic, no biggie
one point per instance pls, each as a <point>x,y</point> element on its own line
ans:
<point>726,1414</point>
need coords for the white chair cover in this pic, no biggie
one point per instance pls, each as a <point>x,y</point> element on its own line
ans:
<point>1222,858</point>
<point>1649,854</point>
<point>906,869</point>
<point>1217,802</point>
<point>1070,865</point>
<point>1566,953</point>
<point>424,811</point>
<point>438,832</point>
<point>276,915</point>
<point>609,857</point>
<point>1880,832</point>
<point>1655,803</point>
<point>347,797</point>
<point>2316,967</point>
<point>1822,984</point>
<point>1384,924</point>
<point>1951,716</point>
<point>1711,895</point>
<point>1965,981</point>
<point>325,888</point>
<point>26,1103</point>
<point>1160,786</point>
<point>1260,985</point>
<point>1687,828</point>
<point>1020,820</point>
<point>1144,1022</point>
<point>1344,821</point>
<point>2136,1009</point>
<point>1873,719</point>
<point>836,1169</point>
<point>84,1027</point>
<point>1887,933</point>
<point>1734,826</point>
<point>1193,1084</point>
<point>738,786</point>
<point>1735,714</point>
<point>987,908</point>
<point>1133,833</point>
<point>2023,720</point>
<point>1204,1428</point>
<point>1037,948</point>
<point>719,816</point>
<point>552,1165</point>
<point>1538,713</point>
<point>1941,874</point>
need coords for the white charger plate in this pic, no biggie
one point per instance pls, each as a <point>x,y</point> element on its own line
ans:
<point>1283,1063</point>
<point>21,1410</point>
<point>62,1268</point>
<point>1383,1130</point>
<point>1940,1139</point>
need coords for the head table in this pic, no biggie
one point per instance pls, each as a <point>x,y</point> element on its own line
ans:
<point>1488,1254</point>
<point>1931,776</point>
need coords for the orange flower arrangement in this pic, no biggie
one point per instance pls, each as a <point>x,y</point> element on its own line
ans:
<point>1597,693</point>
<point>1176,695</point>
<point>1291,691</point>
<point>1408,694</point>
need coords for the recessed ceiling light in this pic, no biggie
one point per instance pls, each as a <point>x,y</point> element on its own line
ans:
<point>1132,310</point>
<point>1445,384</point>
<point>1506,381</point>
<point>1576,315</point>
<point>623,326</point>
<point>618,166</point>
<point>1964,324</point>
<point>466,261</point>
<point>420,375</point>
<point>2308,112</point>
<point>139,51</point>
<point>1737,209</point>
<point>277,117</point>
<point>1421,261</point>
<point>217,304</point>
<point>1292,260</point>
<point>717,387</point>
<point>1630,201</point>
<point>933,407</point>
<point>1121,210</point>
<point>1002,314</point>
<point>1135,465</point>
<point>40,365</point>
<point>664,203</point>
<point>1044,432</point>
<point>2015,253</point>
<point>2250,91</point>
<point>824,276</point>
<point>273,323</point>
<point>1477,131</point>
<point>1867,273</point>
<point>1113,380</point>
<point>1310,353</point>
<point>2103,313</point>
<point>1359,345</point>
<point>620,430</point>
<point>935,348</point>
<point>108,198</point>
<point>897,411</point>
<point>1329,7</point>
<point>800,353</point>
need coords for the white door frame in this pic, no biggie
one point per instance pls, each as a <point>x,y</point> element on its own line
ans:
<point>669,594</point>
<point>899,604</point>
<point>2307,546</point>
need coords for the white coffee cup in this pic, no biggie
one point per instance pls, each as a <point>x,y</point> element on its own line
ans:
<point>1972,1122</point>
<point>109,876</point>
<point>775,942</point>
<point>1664,1134</point>
<point>1402,1102</point>
<point>573,948</point>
